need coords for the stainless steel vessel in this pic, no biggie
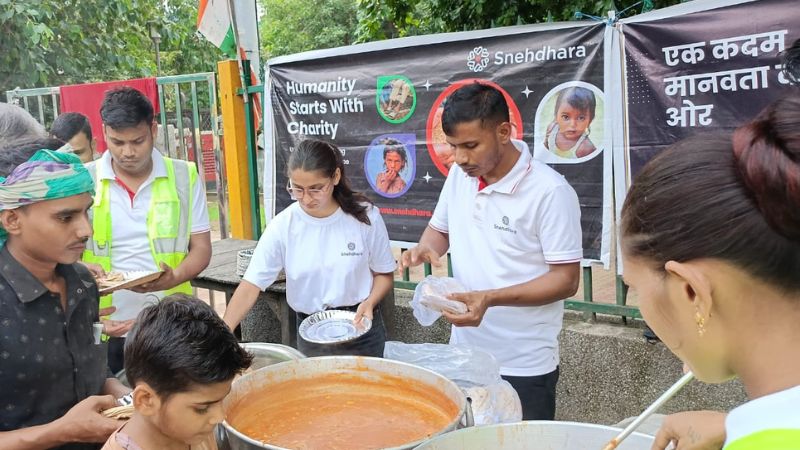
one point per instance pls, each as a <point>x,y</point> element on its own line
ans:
<point>362,367</point>
<point>536,435</point>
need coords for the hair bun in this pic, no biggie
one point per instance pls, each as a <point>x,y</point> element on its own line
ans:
<point>767,156</point>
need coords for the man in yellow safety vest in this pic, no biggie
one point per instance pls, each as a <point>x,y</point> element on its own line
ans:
<point>149,213</point>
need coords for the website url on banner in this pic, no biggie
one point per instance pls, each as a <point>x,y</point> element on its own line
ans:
<point>406,212</point>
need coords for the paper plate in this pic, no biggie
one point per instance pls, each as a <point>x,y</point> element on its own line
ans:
<point>333,327</point>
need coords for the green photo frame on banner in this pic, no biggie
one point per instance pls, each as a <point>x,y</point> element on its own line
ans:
<point>395,98</point>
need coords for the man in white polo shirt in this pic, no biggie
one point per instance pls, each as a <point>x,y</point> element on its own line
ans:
<point>149,212</point>
<point>512,225</point>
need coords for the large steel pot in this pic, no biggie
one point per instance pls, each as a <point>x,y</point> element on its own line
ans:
<point>362,367</point>
<point>536,435</point>
<point>266,354</point>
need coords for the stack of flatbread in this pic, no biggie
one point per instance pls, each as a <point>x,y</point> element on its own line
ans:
<point>119,412</point>
<point>110,280</point>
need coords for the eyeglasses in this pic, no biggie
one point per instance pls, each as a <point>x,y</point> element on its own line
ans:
<point>298,193</point>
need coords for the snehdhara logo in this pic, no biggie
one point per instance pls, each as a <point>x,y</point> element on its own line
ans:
<point>505,220</point>
<point>478,59</point>
<point>351,246</point>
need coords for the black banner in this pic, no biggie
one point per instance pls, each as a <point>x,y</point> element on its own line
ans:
<point>381,104</point>
<point>707,70</point>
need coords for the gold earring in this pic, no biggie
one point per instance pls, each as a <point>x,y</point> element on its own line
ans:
<point>701,323</point>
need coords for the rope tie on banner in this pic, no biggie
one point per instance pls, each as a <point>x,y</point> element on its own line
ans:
<point>647,5</point>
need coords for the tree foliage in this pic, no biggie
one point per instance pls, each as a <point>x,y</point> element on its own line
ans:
<point>293,26</point>
<point>383,19</point>
<point>56,42</point>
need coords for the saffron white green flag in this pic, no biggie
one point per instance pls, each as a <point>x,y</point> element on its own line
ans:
<point>214,22</point>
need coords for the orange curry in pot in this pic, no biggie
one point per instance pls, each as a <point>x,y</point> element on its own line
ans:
<point>343,411</point>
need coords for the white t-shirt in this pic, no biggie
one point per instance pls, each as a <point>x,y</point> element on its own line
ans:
<point>130,248</point>
<point>328,261</point>
<point>775,412</point>
<point>506,234</point>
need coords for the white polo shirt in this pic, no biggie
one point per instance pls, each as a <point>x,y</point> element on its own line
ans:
<point>506,234</point>
<point>130,248</point>
<point>328,261</point>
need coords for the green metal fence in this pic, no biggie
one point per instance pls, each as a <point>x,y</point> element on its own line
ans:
<point>187,102</point>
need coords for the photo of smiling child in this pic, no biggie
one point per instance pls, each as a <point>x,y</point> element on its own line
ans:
<point>568,135</point>
<point>395,161</point>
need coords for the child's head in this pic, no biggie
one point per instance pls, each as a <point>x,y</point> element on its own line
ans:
<point>574,111</point>
<point>181,359</point>
<point>394,155</point>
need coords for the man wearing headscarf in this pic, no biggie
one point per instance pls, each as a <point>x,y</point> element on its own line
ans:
<point>52,367</point>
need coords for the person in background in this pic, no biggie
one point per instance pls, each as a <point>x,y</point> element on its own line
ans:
<point>705,430</point>
<point>53,374</point>
<point>512,225</point>
<point>16,124</point>
<point>716,277</point>
<point>149,212</point>
<point>181,359</point>
<point>75,129</point>
<point>332,244</point>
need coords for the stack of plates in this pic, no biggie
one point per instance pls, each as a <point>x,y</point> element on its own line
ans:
<point>333,327</point>
<point>243,260</point>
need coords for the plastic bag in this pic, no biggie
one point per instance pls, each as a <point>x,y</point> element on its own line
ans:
<point>473,370</point>
<point>495,403</point>
<point>430,299</point>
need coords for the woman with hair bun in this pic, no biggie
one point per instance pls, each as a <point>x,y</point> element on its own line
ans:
<point>332,244</point>
<point>711,244</point>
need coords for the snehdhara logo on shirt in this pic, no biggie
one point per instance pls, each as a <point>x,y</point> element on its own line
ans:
<point>505,226</point>
<point>351,246</point>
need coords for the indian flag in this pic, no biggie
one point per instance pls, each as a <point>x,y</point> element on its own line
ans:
<point>214,22</point>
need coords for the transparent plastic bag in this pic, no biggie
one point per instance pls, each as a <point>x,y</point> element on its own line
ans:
<point>430,299</point>
<point>476,372</point>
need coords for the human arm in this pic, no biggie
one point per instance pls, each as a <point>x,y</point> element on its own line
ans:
<point>241,303</point>
<point>263,269</point>
<point>82,423</point>
<point>560,282</point>
<point>381,264</point>
<point>382,283</point>
<point>692,430</point>
<point>432,245</point>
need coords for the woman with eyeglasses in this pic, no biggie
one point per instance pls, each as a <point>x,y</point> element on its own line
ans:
<point>332,244</point>
<point>711,244</point>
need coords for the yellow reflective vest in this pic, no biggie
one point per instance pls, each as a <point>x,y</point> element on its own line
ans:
<point>169,221</point>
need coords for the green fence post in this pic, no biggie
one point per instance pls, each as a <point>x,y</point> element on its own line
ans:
<point>252,161</point>
<point>588,293</point>
<point>622,295</point>
<point>164,125</point>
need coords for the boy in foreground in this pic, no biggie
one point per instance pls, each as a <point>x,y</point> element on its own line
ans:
<point>181,359</point>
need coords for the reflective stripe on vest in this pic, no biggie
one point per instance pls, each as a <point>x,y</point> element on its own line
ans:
<point>168,220</point>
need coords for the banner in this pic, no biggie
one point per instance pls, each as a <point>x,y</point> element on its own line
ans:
<point>381,104</point>
<point>701,71</point>
<point>693,68</point>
